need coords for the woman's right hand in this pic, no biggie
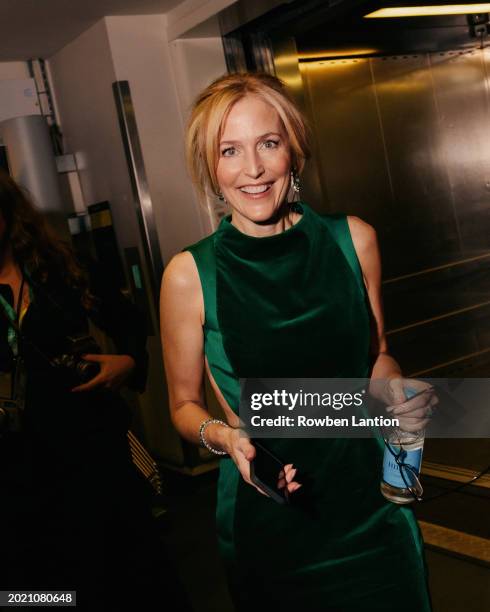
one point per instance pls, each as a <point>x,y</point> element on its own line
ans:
<point>242,451</point>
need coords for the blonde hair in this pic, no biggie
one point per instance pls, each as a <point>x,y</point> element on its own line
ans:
<point>211,109</point>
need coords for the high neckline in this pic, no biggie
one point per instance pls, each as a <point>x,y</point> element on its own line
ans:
<point>226,226</point>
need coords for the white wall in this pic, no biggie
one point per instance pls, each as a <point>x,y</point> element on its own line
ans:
<point>14,70</point>
<point>191,14</point>
<point>195,63</point>
<point>140,55</point>
<point>18,94</point>
<point>135,49</point>
<point>83,73</point>
<point>18,97</point>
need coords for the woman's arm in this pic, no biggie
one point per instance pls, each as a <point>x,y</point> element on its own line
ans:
<point>386,371</point>
<point>367,249</point>
<point>181,318</point>
<point>116,315</point>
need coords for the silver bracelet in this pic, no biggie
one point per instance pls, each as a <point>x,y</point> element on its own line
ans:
<point>204,442</point>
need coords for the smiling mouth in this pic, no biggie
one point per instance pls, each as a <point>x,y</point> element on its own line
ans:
<point>255,189</point>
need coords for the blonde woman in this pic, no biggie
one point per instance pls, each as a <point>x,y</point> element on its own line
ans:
<point>280,291</point>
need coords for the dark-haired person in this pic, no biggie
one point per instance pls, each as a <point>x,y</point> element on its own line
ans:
<point>73,509</point>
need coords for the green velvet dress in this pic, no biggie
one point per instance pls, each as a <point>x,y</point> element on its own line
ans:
<point>294,305</point>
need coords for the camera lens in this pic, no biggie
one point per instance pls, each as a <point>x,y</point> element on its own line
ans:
<point>87,370</point>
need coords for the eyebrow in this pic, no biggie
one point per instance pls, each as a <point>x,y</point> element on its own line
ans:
<point>258,138</point>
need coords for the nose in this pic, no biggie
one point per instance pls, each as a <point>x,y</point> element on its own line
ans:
<point>253,164</point>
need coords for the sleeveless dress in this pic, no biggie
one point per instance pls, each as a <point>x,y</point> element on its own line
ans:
<point>294,305</point>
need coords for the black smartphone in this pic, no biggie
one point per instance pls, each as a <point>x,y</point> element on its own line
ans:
<point>267,471</point>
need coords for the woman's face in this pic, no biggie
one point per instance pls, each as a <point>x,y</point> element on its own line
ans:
<point>254,162</point>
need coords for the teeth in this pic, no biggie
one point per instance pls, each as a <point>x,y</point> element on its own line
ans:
<point>255,188</point>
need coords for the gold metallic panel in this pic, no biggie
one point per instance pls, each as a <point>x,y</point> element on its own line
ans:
<point>342,107</point>
<point>460,82</point>
<point>455,474</point>
<point>402,143</point>
<point>450,540</point>
<point>422,212</point>
<point>286,67</point>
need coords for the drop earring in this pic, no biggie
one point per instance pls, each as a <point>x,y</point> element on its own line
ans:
<point>221,197</point>
<point>295,184</point>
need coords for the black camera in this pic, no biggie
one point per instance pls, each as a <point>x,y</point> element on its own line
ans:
<point>10,416</point>
<point>71,361</point>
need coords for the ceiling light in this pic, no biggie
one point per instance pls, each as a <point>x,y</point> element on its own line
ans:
<point>430,10</point>
<point>335,53</point>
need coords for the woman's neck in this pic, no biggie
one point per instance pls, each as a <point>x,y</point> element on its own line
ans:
<point>283,219</point>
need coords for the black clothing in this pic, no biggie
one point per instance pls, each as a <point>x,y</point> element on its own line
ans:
<point>77,510</point>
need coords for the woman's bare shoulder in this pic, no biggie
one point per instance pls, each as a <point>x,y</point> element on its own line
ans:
<point>181,291</point>
<point>181,273</point>
<point>361,231</point>
<point>180,279</point>
<point>363,234</point>
<point>366,245</point>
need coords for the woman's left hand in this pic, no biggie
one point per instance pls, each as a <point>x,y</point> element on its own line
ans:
<point>413,413</point>
<point>114,370</point>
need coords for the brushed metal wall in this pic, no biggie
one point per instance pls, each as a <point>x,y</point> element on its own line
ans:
<point>403,142</point>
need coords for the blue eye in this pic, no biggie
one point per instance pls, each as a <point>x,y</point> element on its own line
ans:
<point>228,152</point>
<point>271,144</point>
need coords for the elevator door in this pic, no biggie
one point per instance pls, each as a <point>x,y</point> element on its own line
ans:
<point>403,142</point>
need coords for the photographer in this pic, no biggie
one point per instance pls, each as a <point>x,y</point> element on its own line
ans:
<point>73,507</point>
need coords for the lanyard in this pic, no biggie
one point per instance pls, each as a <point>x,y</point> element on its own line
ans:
<point>15,316</point>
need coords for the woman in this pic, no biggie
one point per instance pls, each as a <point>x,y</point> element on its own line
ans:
<point>279,291</point>
<point>73,507</point>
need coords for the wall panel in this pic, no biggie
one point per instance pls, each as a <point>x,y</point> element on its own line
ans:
<point>402,143</point>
